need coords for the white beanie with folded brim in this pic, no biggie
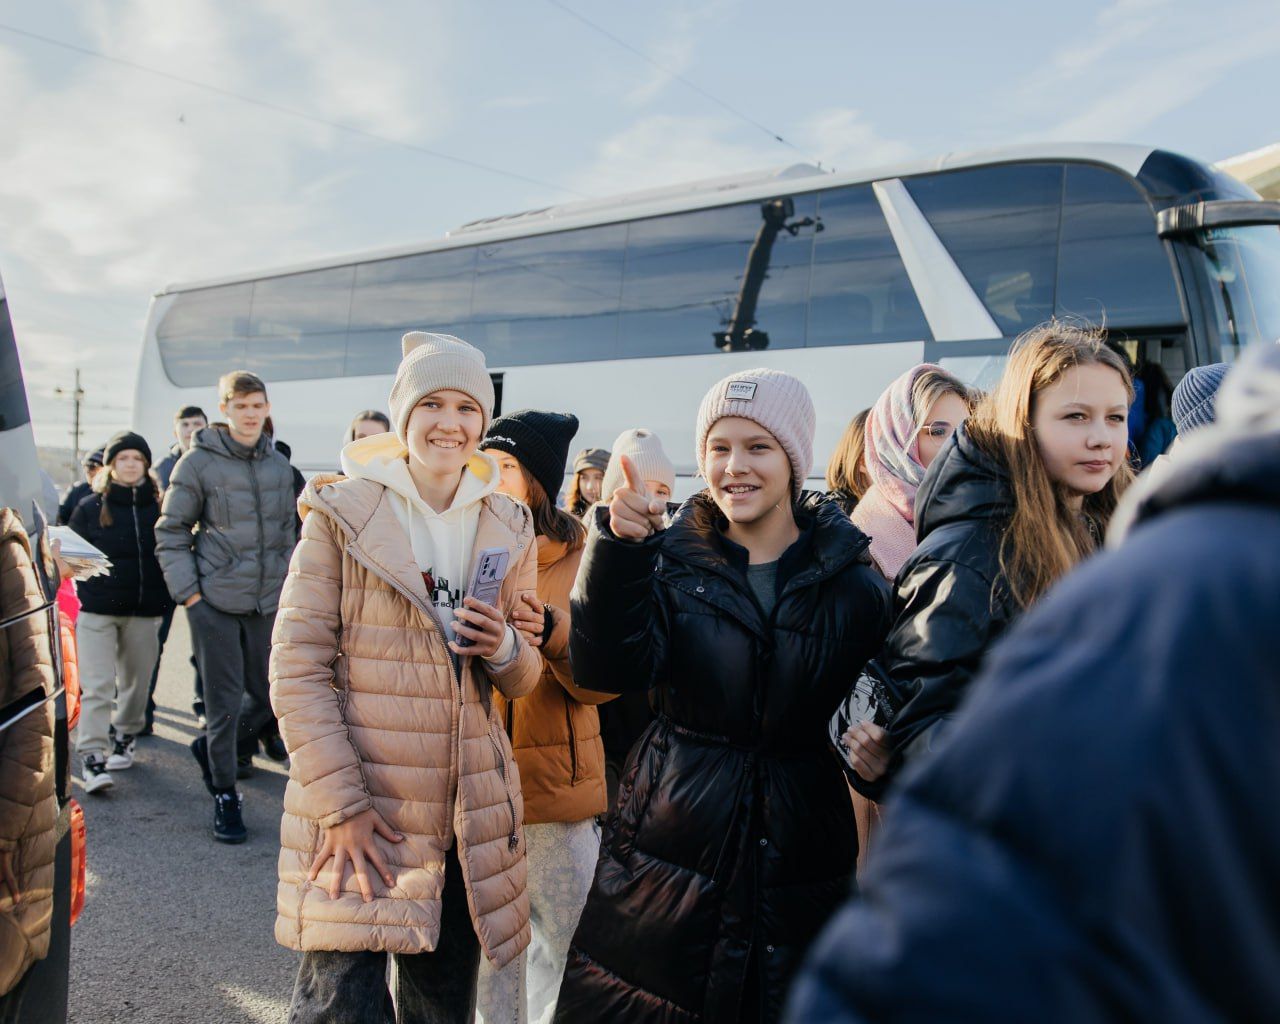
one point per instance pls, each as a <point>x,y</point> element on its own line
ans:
<point>644,449</point>
<point>438,362</point>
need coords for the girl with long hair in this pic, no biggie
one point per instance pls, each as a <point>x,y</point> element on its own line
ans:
<point>847,479</point>
<point>746,613</point>
<point>905,430</point>
<point>555,730</point>
<point>1022,492</point>
<point>118,629</point>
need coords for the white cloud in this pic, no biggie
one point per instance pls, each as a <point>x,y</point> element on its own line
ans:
<point>664,149</point>
<point>675,47</point>
<point>1141,60</point>
<point>114,183</point>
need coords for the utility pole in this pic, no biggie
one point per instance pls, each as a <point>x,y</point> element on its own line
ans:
<point>77,398</point>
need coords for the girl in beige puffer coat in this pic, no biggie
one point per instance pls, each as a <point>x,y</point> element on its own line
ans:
<point>400,768</point>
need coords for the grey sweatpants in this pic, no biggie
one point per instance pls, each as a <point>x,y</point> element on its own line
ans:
<point>116,655</point>
<point>232,653</point>
<point>562,863</point>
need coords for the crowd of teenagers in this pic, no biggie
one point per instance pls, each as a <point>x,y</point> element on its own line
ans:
<point>605,757</point>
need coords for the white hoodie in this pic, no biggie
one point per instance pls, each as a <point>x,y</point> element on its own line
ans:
<point>442,541</point>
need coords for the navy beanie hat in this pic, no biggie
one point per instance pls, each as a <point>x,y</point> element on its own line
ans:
<point>127,440</point>
<point>540,440</point>
<point>1192,405</point>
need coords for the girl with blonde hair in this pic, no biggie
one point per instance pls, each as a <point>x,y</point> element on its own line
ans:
<point>1021,494</point>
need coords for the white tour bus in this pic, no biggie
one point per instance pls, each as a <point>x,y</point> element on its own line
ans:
<point>624,311</point>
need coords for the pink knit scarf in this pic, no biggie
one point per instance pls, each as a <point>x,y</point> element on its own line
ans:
<point>892,537</point>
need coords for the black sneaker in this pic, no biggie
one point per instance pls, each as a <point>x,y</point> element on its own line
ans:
<point>274,747</point>
<point>244,766</point>
<point>228,825</point>
<point>121,756</point>
<point>200,751</point>
<point>94,773</point>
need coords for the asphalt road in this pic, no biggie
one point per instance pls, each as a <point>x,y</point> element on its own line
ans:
<point>177,927</point>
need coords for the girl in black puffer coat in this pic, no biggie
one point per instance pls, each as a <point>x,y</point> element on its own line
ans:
<point>732,837</point>
<point>1020,494</point>
<point>119,622</point>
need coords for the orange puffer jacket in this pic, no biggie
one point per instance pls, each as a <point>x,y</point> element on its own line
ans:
<point>556,729</point>
<point>374,715</point>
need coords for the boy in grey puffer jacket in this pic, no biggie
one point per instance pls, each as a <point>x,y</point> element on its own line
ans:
<point>224,539</point>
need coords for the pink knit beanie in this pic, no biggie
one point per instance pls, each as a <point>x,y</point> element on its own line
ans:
<point>775,400</point>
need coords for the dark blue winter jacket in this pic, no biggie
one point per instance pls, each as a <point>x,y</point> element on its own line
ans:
<point>1097,838</point>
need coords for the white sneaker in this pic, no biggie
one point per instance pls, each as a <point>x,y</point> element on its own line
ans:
<point>122,754</point>
<point>95,773</point>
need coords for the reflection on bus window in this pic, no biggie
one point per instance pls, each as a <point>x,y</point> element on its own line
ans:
<point>1243,264</point>
<point>1000,225</point>
<point>685,273</point>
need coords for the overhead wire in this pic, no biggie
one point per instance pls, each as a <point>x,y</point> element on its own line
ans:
<point>711,97</point>
<point>280,108</point>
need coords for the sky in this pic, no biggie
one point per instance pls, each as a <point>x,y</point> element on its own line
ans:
<point>115,181</point>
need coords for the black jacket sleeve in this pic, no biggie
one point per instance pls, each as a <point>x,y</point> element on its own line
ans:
<point>617,636</point>
<point>945,622</point>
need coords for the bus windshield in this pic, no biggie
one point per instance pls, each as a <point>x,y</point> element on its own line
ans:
<point>1243,266</point>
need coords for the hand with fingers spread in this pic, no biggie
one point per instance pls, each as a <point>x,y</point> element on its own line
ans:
<point>480,623</point>
<point>352,843</point>
<point>869,752</point>
<point>530,617</point>
<point>634,514</point>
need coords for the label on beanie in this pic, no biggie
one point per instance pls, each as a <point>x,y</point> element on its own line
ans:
<point>741,390</point>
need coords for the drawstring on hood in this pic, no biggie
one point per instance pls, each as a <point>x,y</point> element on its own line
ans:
<point>441,541</point>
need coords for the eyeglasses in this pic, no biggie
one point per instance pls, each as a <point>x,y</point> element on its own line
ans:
<point>939,430</point>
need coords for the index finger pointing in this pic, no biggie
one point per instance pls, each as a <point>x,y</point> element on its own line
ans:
<point>631,476</point>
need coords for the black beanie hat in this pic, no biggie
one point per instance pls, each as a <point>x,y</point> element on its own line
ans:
<point>540,440</point>
<point>127,440</point>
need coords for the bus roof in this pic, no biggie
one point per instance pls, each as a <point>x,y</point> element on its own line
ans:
<point>694,195</point>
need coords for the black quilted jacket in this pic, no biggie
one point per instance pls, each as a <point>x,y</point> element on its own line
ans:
<point>732,838</point>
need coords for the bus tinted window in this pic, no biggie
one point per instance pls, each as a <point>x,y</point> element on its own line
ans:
<point>549,299</point>
<point>859,291</point>
<point>298,325</point>
<point>1112,267</point>
<point>203,334</point>
<point>430,292</point>
<point>1000,225</point>
<point>684,274</point>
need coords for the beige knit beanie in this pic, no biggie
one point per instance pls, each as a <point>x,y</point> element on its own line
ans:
<point>775,400</point>
<point>434,362</point>
<point>644,449</point>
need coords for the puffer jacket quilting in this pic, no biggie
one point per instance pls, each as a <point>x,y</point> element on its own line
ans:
<point>732,836</point>
<point>374,715</point>
<point>28,798</point>
<point>243,502</point>
<point>556,729</point>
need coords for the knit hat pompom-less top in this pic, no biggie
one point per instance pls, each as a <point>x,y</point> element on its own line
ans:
<point>437,362</point>
<point>777,401</point>
<point>539,440</point>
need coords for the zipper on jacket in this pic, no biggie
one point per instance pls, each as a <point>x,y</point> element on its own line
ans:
<point>573,740</point>
<point>262,538</point>
<point>514,839</point>
<point>455,673</point>
<point>137,536</point>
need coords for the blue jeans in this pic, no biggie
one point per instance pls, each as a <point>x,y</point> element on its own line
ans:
<point>430,988</point>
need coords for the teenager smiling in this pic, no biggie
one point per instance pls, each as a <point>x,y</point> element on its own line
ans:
<point>403,817</point>
<point>732,835</point>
